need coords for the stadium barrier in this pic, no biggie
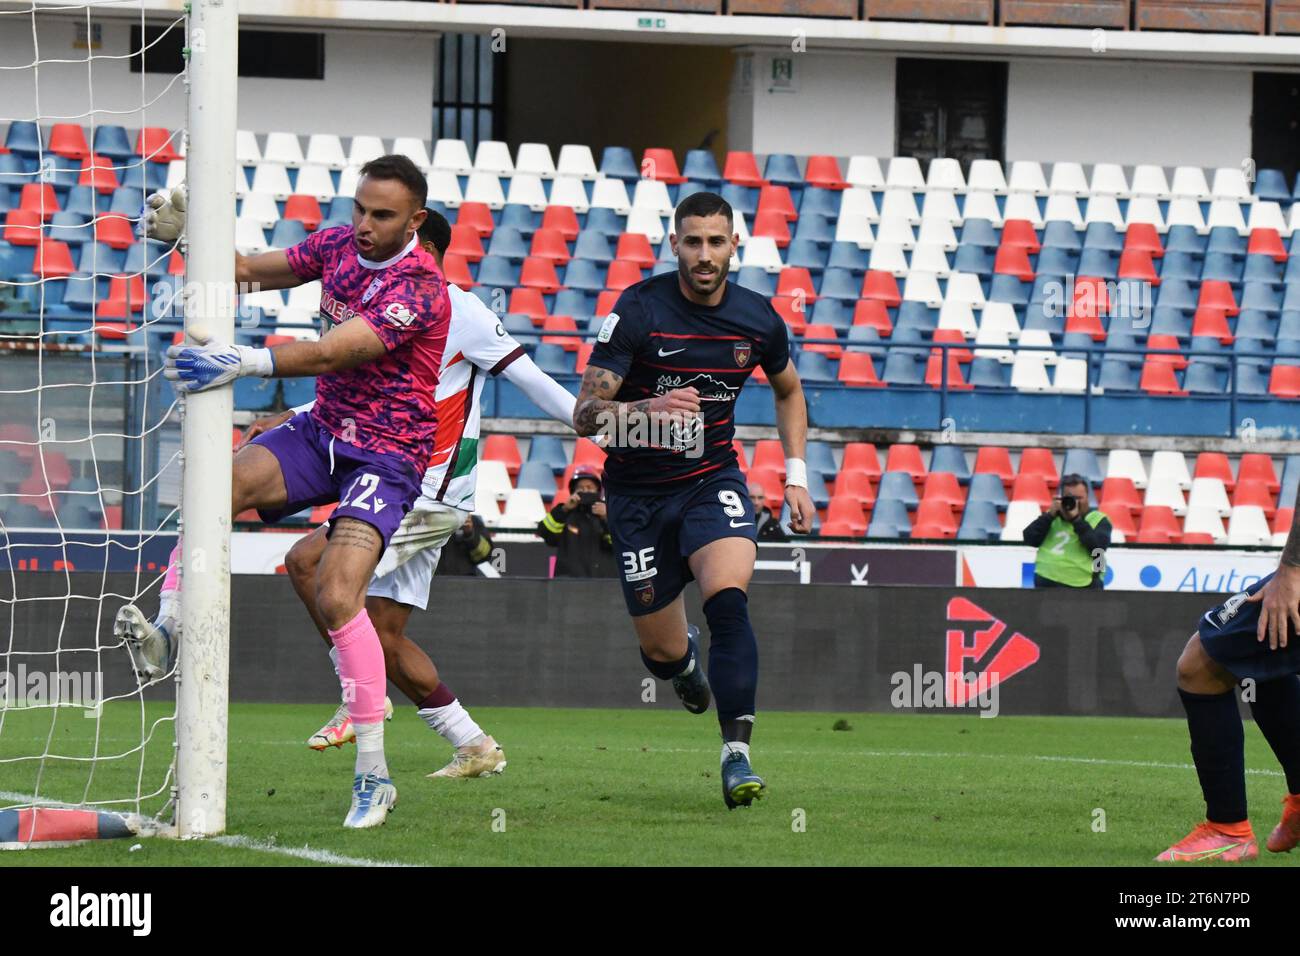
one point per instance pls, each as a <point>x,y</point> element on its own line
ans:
<point>878,649</point>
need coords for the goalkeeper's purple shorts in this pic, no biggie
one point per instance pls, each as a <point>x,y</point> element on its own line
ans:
<point>319,468</point>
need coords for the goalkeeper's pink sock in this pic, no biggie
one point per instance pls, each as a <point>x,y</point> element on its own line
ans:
<point>361,670</point>
<point>169,593</point>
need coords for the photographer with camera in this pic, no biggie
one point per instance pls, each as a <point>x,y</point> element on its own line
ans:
<point>466,549</point>
<point>576,528</point>
<point>1070,537</point>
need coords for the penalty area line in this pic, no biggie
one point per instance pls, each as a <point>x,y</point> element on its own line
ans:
<point>299,853</point>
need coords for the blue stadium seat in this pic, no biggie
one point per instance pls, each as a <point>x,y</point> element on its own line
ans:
<point>509,243</point>
<point>554,360</point>
<point>1071,341</point>
<point>1226,240</point>
<point>594,245</point>
<point>258,394</point>
<point>1252,379</point>
<point>576,303</point>
<point>1101,263</point>
<point>605,220</point>
<point>756,280</point>
<point>1117,376</point>
<point>518,216</point>
<point>288,233</point>
<point>1291,300</point>
<point>821,459</point>
<point>743,199</point>
<point>889,520</point>
<point>659,268</point>
<point>1248,351</point>
<point>1176,294</point>
<point>905,336</point>
<point>1184,239</point>
<point>83,292</point>
<point>1058,234</point>
<point>831,312</point>
<point>1040,317</point>
<point>916,315</point>
<point>820,202</point>
<point>814,367</point>
<point>901,368</point>
<point>689,188</point>
<point>979,232</point>
<point>617,163</point>
<point>988,373</point>
<point>952,459</point>
<point>13,172</point>
<point>23,515</point>
<point>84,201</point>
<point>520,326</point>
<point>70,227</point>
<point>973,258</point>
<point>814,227</point>
<point>979,522</point>
<point>549,451</point>
<point>125,202</point>
<point>340,207</point>
<point>1167,321</point>
<point>1222,267</point>
<point>1181,266</point>
<point>111,141</point>
<point>146,177</point>
<point>846,255</point>
<point>147,256</point>
<point>1120,341</point>
<point>1262,297</point>
<point>699,165</point>
<point>16,260</point>
<point>840,284</point>
<point>805,254</point>
<point>1104,236</point>
<point>1210,351</point>
<point>897,486</point>
<point>1264,269</point>
<point>1083,461</point>
<point>865,338</point>
<point>539,476</point>
<point>1288,352</point>
<point>1056,262</point>
<point>1009,289</point>
<point>584,274</point>
<point>782,169</point>
<point>1270,186</point>
<point>1290,480</point>
<point>1288,326</point>
<point>987,487</point>
<point>484,294</point>
<point>819,493</point>
<point>499,273</point>
<point>23,138</point>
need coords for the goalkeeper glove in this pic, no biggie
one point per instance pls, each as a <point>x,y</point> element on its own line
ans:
<point>211,364</point>
<point>164,216</point>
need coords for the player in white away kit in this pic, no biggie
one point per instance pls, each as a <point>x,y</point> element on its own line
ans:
<point>477,346</point>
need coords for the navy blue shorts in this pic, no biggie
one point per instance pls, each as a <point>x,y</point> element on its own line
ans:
<point>1227,633</point>
<point>654,535</point>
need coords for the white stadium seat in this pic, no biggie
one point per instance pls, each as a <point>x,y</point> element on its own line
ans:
<point>570,191</point>
<point>524,509</point>
<point>325,149</point>
<point>1150,181</point>
<point>1145,209</point>
<point>576,160</point>
<point>1071,376</point>
<point>905,174</point>
<point>1263,215</point>
<point>493,481</point>
<point>452,155</point>
<point>526,189</point>
<point>888,257</point>
<point>485,188</point>
<point>305,298</point>
<point>1108,179</point>
<point>1126,463</point>
<point>272,179</point>
<point>493,156</point>
<point>859,202</point>
<point>1025,206</point>
<point>1104,209</point>
<point>348,180</point>
<point>444,187</point>
<point>283,148</point>
<point>1189,183</point>
<point>865,172</point>
<point>761,251</point>
<point>1205,521</point>
<point>363,149</point>
<point>936,232</point>
<point>855,229</point>
<point>988,338</point>
<point>1068,179</point>
<point>1027,177</point>
<point>941,205</point>
<point>535,158</point>
<point>1170,466</point>
<point>946,174</point>
<point>1208,494</point>
<point>249,237</point>
<point>1041,340</point>
<point>982,205</point>
<point>1065,208</point>
<point>176,173</point>
<point>247,152</point>
<point>930,258</point>
<point>965,287</point>
<point>1186,212</point>
<point>1230,183</point>
<point>414,150</point>
<point>611,194</point>
<point>959,315</point>
<point>1226,212</point>
<point>1002,317</point>
<point>653,195</point>
<point>1248,526</point>
<point>260,208</point>
<point>899,204</point>
<point>1020,515</point>
<point>986,175</point>
<point>923,287</point>
<point>1164,492</point>
<point>314,180</point>
<point>895,230</point>
<point>651,225</point>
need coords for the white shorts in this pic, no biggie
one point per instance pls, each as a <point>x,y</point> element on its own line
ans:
<point>405,572</point>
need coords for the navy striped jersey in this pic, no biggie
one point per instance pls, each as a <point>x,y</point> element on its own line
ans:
<point>659,340</point>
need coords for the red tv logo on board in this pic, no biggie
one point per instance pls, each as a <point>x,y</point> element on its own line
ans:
<point>979,656</point>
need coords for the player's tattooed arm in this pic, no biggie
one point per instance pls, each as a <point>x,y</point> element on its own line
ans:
<point>596,399</point>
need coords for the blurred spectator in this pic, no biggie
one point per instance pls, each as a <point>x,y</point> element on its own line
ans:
<point>1072,538</point>
<point>576,528</point>
<point>465,550</point>
<point>766,524</point>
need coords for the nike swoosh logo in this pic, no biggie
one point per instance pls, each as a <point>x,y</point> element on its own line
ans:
<point>663,354</point>
<point>741,524</point>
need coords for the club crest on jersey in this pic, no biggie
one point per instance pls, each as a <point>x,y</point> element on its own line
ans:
<point>607,328</point>
<point>741,352</point>
<point>376,284</point>
<point>645,593</point>
<point>399,315</point>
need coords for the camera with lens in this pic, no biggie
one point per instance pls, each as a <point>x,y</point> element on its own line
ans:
<point>587,498</point>
<point>1069,504</point>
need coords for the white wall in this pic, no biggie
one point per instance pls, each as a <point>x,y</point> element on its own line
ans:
<point>1128,113</point>
<point>347,102</point>
<point>842,103</point>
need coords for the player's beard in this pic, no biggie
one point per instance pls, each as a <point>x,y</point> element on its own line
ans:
<point>715,280</point>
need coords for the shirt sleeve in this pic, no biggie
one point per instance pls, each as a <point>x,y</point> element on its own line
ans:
<point>776,353</point>
<point>414,307</point>
<point>621,335</point>
<point>487,344</point>
<point>307,258</point>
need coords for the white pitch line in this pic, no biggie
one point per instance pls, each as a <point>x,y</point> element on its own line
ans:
<point>300,853</point>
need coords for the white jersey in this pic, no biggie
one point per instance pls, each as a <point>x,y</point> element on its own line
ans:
<point>477,346</point>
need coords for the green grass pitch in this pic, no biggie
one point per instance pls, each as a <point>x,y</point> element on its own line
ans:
<point>630,787</point>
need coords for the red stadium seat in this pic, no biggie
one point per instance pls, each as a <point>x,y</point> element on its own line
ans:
<point>539,274</point>
<point>1121,519</point>
<point>584,356</point>
<point>98,173</point>
<point>741,458</point>
<point>838,529</point>
<point>1032,488</point>
<point>1169,343</point>
<point>157,144</point>
<point>824,173</point>
<point>952,337</point>
<point>1266,242</point>
<point>1142,237</point>
<point>56,470</point>
<point>561,323</point>
<point>528,302</point>
<point>796,281</point>
<point>1282,520</point>
<point>69,141</point>
<point>1255,492</point>
<point>456,270</point>
<point>108,329</point>
<point>771,482</point>
<point>53,260</point>
<point>769,456</point>
<point>1020,232</point>
<point>1284,381</point>
<point>934,372</point>
<point>793,309</point>
<point>22,227</point>
<point>1091,299</point>
<point>605,302</point>
<point>1212,322</point>
<point>1197,538</point>
<point>847,510</point>
<point>562,218</point>
<point>881,286</point>
<point>906,457</point>
<point>1137,264</point>
<point>125,294</point>
<point>772,224</point>
<point>994,460</point>
<point>586,452</point>
<point>1217,293</point>
<point>505,449</point>
<point>477,216</point>
<point>321,513</point>
<point>1160,378</point>
<point>934,519</point>
<point>741,168</point>
<point>465,242</point>
<point>1258,467</point>
<point>857,369</point>
<point>819,331</point>
<point>1085,322</point>
<point>1012,260</point>
<point>622,274</point>
<point>1159,526</point>
<point>874,313</point>
<point>176,263</point>
<point>1121,492</point>
<point>305,209</point>
<point>635,247</point>
<point>1214,464</point>
<point>39,198</point>
<point>550,244</point>
<point>776,199</point>
<point>114,231</point>
<point>661,164</point>
<point>944,486</point>
<point>856,485</point>
<point>758,375</point>
<point>861,456</point>
<point>1039,461</point>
